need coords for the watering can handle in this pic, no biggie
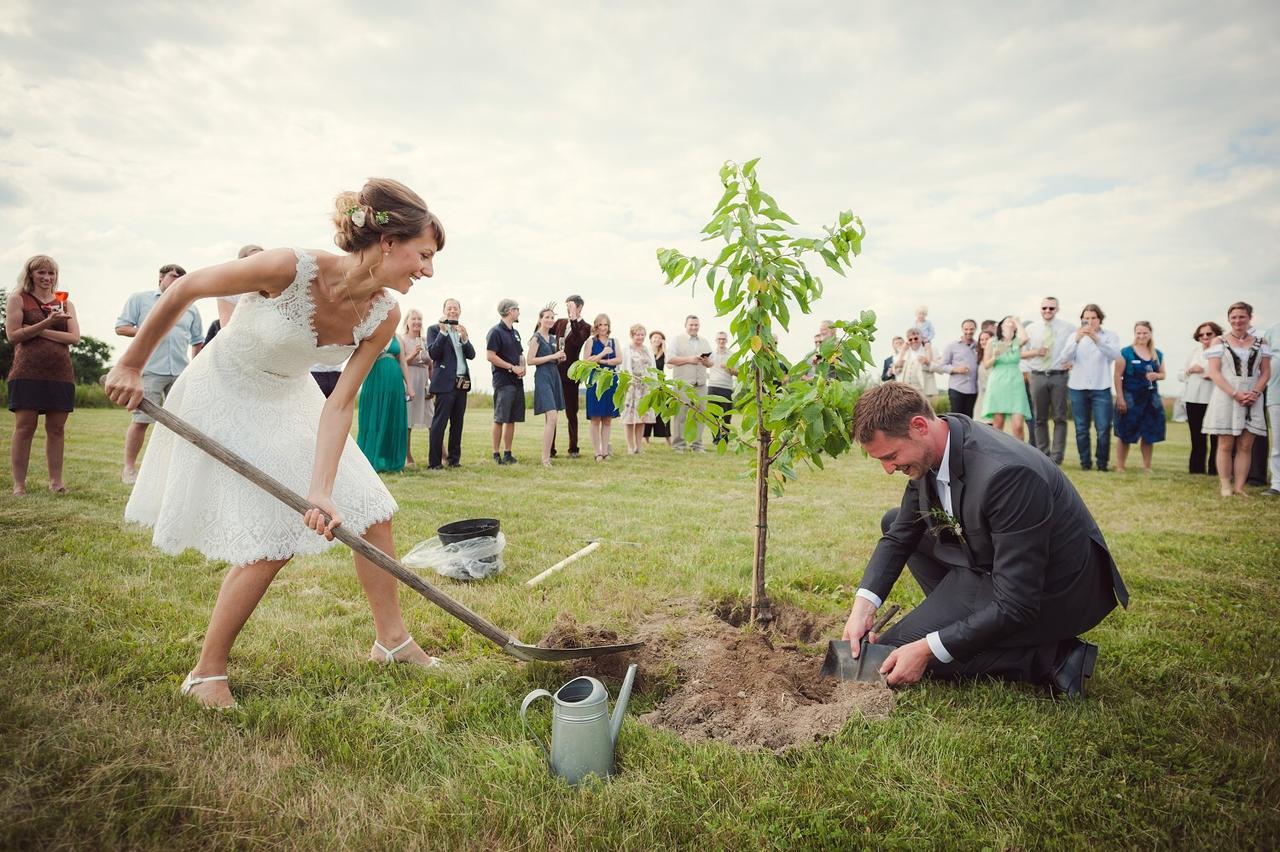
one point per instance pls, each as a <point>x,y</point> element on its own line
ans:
<point>529,699</point>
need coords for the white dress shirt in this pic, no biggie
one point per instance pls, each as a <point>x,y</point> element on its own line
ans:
<point>943,481</point>
<point>1091,362</point>
<point>1036,333</point>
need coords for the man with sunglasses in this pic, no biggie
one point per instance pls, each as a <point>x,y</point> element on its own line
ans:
<point>1043,353</point>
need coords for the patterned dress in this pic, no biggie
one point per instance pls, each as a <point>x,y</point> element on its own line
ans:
<point>41,377</point>
<point>638,362</point>
<point>251,390</point>
<point>1143,419</point>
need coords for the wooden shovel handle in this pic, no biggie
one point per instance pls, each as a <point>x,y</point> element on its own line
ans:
<point>357,543</point>
<point>884,619</point>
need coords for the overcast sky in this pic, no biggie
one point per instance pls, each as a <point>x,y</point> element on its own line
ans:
<point>1125,154</point>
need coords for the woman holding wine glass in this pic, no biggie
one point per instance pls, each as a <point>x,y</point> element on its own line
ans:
<point>41,324</point>
<point>1140,412</point>
<point>546,352</point>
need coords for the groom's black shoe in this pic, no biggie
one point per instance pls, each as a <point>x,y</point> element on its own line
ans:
<point>1076,659</point>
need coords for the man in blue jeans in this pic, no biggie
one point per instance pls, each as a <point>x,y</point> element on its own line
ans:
<point>1091,352</point>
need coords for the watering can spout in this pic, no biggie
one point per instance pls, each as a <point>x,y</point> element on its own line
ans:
<point>620,707</point>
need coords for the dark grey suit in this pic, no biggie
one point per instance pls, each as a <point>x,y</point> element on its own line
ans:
<point>1030,569</point>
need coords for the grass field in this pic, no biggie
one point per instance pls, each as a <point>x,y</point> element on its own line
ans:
<point>1176,746</point>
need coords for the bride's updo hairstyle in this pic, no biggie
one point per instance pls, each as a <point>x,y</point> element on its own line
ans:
<point>383,208</point>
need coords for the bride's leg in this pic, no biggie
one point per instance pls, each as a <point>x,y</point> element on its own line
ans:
<point>242,589</point>
<point>383,592</point>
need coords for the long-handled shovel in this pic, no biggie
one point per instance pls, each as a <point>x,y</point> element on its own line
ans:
<point>476,622</point>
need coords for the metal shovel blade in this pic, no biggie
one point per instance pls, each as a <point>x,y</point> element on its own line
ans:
<point>524,652</point>
<point>841,663</point>
<point>486,628</point>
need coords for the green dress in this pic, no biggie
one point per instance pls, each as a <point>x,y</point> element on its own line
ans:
<point>383,433</point>
<point>1006,391</point>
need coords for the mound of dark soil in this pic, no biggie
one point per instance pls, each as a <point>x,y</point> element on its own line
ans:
<point>727,684</point>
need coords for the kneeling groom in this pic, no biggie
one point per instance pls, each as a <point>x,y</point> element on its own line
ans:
<point>1012,565</point>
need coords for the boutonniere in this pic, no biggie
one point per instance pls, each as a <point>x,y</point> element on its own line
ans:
<point>943,521</point>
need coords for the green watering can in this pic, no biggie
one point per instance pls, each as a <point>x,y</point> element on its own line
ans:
<point>582,735</point>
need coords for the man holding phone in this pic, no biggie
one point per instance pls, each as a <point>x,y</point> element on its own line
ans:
<point>689,357</point>
<point>450,348</point>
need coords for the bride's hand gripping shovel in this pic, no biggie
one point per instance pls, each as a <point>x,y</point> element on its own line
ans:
<point>479,623</point>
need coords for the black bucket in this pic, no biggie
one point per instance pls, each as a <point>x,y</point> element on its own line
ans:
<point>469,529</point>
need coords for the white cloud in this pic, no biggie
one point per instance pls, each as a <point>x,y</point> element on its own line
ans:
<point>1126,155</point>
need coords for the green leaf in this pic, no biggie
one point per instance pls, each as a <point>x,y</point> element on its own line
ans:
<point>749,167</point>
<point>729,193</point>
<point>777,215</point>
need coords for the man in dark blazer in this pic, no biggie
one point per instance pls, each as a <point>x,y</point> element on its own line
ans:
<point>1012,565</point>
<point>450,383</point>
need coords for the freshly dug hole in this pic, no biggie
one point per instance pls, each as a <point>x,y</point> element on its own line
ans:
<point>725,684</point>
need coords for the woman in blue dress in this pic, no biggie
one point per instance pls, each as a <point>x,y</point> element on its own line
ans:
<point>602,350</point>
<point>548,392</point>
<point>1140,413</point>
<point>383,433</point>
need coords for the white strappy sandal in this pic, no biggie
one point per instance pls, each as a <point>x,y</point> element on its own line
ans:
<point>390,653</point>
<point>193,680</point>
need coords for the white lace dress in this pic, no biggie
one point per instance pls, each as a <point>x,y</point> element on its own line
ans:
<point>251,389</point>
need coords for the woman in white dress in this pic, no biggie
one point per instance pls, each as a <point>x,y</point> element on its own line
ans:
<point>418,363</point>
<point>251,390</point>
<point>638,362</point>
<point>1239,365</point>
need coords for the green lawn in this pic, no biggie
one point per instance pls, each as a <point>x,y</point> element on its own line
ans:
<point>1176,746</point>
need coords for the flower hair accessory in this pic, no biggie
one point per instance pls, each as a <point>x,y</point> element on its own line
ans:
<point>356,213</point>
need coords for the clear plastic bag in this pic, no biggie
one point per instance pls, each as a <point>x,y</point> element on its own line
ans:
<point>473,559</point>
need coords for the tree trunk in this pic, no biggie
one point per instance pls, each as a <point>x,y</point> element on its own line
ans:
<point>761,612</point>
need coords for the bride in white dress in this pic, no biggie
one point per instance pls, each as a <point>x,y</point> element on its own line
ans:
<point>251,389</point>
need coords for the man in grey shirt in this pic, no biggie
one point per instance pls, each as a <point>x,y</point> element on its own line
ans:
<point>960,362</point>
<point>689,356</point>
<point>165,364</point>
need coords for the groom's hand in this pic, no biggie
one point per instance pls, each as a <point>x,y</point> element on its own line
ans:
<point>859,623</point>
<point>906,665</point>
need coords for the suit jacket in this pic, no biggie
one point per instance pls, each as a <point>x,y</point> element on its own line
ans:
<point>440,348</point>
<point>574,333</point>
<point>1023,523</point>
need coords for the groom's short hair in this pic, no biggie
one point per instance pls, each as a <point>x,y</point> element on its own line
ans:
<point>888,409</point>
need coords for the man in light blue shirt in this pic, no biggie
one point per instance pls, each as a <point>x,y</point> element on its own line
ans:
<point>165,364</point>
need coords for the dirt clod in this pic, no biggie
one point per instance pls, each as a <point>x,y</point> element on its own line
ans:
<point>722,683</point>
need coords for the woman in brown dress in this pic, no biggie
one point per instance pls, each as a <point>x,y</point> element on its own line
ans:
<point>42,329</point>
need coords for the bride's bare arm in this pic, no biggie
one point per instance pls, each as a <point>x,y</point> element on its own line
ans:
<point>269,272</point>
<point>335,418</point>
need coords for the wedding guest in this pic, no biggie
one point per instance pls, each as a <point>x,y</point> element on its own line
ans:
<point>1006,395</point>
<point>602,350</point>
<point>420,408</point>
<point>1091,350</point>
<point>1046,340</point>
<point>548,392</point>
<point>42,329</point>
<point>984,373</point>
<point>637,362</point>
<point>913,364</point>
<point>570,333</point>
<point>923,325</point>
<point>382,433</point>
<point>960,362</point>
<point>506,354</point>
<point>689,359</point>
<point>1272,338</point>
<point>989,326</point>
<point>449,348</point>
<point>1197,389</point>
<point>1140,411</point>
<point>166,361</point>
<point>886,371</point>
<point>1240,367</point>
<point>659,428</point>
<point>721,377</point>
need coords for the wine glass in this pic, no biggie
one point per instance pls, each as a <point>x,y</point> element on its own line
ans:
<point>60,297</point>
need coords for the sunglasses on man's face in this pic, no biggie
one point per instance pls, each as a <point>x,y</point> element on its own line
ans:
<point>1047,308</point>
